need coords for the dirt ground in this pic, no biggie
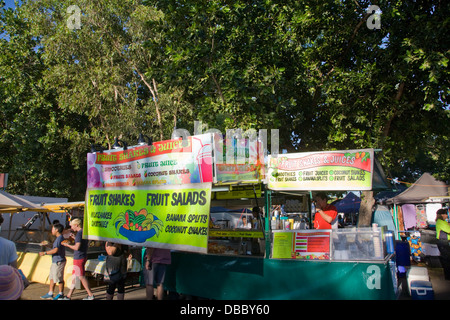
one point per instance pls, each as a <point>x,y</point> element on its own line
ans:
<point>441,289</point>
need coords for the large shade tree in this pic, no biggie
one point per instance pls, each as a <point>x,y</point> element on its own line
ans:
<point>317,71</point>
<point>72,81</point>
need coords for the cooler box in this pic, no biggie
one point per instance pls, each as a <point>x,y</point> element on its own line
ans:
<point>417,273</point>
<point>422,290</point>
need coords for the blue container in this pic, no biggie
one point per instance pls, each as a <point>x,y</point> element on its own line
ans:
<point>421,290</point>
<point>389,236</point>
<point>403,255</point>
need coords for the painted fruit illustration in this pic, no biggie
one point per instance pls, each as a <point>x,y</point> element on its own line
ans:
<point>138,226</point>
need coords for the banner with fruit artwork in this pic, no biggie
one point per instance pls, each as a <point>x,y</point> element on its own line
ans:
<point>172,217</point>
<point>327,170</point>
<point>165,162</point>
<point>151,195</point>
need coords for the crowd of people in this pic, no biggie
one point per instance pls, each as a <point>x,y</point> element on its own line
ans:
<point>13,281</point>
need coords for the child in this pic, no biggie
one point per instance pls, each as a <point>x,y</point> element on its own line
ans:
<point>58,253</point>
<point>80,249</point>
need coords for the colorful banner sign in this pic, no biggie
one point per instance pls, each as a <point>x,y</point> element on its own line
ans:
<point>167,162</point>
<point>171,217</point>
<point>153,195</point>
<point>329,170</point>
<point>238,160</point>
<point>304,244</point>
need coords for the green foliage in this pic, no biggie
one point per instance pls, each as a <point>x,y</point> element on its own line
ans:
<point>314,70</point>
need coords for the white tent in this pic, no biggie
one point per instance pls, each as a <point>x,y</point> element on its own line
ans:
<point>18,210</point>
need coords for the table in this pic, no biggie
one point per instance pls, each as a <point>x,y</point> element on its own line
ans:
<point>98,267</point>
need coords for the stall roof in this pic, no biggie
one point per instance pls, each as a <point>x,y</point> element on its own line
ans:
<point>10,203</point>
<point>426,186</point>
<point>379,181</point>
<point>63,207</point>
<point>349,204</point>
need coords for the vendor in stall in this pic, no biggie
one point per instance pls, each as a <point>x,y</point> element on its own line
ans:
<point>325,213</point>
<point>243,224</point>
<point>443,236</point>
<point>256,213</point>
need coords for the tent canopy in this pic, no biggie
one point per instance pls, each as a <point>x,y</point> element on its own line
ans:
<point>349,204</point>
<point>11,203</point>
<point>426,186</point>
<point>64,207</point>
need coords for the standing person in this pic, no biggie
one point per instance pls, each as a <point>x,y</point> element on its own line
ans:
<point>325,213</point>
<point>79,259</point>
<point>443,235</point>
<point>116,268</point>
<point>256,221</point>
<point>244,224</point>
<point>8,252</point>
<point>256,225</point>
<point>58,253</point>
<point>156,261</point>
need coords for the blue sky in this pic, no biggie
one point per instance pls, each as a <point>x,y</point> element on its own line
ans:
<point>9,4</point>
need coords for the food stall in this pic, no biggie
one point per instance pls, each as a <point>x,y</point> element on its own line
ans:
<point>182,195</point>
<point>298,262</point>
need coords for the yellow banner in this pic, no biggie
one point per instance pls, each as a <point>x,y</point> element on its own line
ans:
<point>236,233</point>
<point>172,217</point>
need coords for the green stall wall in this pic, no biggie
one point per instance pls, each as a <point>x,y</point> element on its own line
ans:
<point>248,278</point>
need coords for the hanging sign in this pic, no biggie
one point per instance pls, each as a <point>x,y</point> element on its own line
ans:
<point>329,170</point>
<point>238,192</point>
<point>163,163</point>
<point>154,196</point>
<point>172,217</point>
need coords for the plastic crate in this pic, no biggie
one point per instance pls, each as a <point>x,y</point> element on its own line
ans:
<point>422,290</point>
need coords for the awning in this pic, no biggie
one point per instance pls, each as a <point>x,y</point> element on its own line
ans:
<point>424,188</point>
<point>11,203</point>
<point>64,207</point>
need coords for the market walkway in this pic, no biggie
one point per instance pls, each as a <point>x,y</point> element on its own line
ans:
<point>441,288</point>
<point>36,290</point>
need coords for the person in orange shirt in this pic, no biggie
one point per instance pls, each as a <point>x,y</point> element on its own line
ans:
<point>325,213</point>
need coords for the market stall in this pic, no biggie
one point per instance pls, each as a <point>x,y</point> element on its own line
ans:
<point>182,195</point>
<point>27,218</point>
<point>300,263</point>
<point>416,206</point>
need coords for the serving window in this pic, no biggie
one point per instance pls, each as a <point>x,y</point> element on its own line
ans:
<point>235,230</point>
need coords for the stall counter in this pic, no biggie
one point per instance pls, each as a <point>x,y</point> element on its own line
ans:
<point>249,278</point>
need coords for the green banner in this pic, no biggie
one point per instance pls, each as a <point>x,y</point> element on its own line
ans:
<point>325,170</point>
<point>236,233</point>
<point>171,217</point>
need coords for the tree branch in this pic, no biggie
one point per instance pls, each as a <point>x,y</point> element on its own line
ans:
<point>154,92</point>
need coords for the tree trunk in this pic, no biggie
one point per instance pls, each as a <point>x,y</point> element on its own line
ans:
<point>368,201</point>
<point>365,210</point>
